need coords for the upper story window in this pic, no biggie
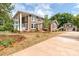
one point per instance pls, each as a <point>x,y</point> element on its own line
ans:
<point>16,18</point>
<point>16,22</point>
<point>40,19</point>
<point>33,18</point>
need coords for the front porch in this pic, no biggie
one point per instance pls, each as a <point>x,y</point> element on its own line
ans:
<point>22,22</point>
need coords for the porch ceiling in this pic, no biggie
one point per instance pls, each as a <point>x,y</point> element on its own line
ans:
<point>24,14</point>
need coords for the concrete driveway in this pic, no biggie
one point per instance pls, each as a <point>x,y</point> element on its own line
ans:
<point>63,44</point>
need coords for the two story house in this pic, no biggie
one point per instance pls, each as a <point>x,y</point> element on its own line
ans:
<point>24,21</point>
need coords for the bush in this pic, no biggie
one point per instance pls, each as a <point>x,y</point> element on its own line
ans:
<point>15,31</point>
<point>6,28</point>
<point>2,28</point>
<point>7,25</point>
<point>7,42</point>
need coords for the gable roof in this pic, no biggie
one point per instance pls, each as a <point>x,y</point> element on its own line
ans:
<point>27,13</point>
<point>55,21</point>
<point>68,23</point>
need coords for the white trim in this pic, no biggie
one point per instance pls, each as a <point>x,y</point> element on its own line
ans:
<point>28,23</point>
<point>33,26</point>
<point>20,22</point>
<point>16,24</point>
<point>33,18</point>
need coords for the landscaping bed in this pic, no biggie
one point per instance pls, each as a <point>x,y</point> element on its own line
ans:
<point>25,40</point>
<point>9,40</point>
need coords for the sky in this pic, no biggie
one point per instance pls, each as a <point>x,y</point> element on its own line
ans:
<point>49,9</point>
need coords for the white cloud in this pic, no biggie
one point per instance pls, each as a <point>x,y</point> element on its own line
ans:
<point>76,8</point>
<point>74,12</point>
<point>39,12</point>
<point>77,5</point>
<point>43,9</point>
<point>39,9</point>
<point>18,7</point>
<point>44,6</point>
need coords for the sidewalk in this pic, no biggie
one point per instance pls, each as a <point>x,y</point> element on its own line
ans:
<point>58,45</point>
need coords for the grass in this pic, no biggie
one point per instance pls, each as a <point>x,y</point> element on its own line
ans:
<point>31,39</point>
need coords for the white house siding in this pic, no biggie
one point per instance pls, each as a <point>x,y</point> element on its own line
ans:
<point>54,25</point>
<point>27,26</point>
<point>16,24</point>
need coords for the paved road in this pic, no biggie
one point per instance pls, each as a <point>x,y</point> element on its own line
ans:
<point>63,44</point>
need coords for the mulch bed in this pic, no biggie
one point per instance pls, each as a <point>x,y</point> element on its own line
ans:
<point>17,38</point>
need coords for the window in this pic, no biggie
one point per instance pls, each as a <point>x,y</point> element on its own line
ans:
<point>33,26</point>
<point>16,22</point>
<point>33,18</point>
<point>17,26</point>
<point>39,19</point>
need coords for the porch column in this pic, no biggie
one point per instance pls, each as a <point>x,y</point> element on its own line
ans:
<point>51,27</point>
<point>20,22</point>
<point>29,23</point>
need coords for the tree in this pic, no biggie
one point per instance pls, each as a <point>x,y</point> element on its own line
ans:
<point>46,23</point>
<point>76,21</point>
<point>5,15</point>
<point>62,18</point>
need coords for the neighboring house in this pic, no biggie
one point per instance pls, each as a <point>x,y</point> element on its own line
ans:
<point>24,21</point>
<point>54,25</point>
<point>69,27</point>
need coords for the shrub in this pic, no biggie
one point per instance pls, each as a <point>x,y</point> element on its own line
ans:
<point>7,42</point>
<point>2,28</point>
<point>15,31</point>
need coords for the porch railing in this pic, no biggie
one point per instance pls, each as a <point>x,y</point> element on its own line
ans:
<point>25,25</point>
